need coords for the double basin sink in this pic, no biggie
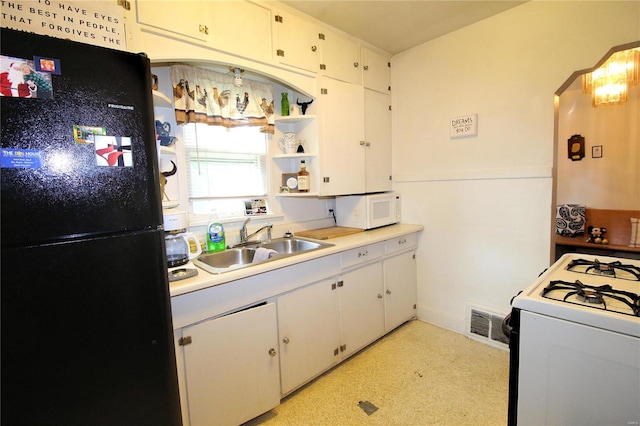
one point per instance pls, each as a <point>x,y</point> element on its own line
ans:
<point>242,257</point>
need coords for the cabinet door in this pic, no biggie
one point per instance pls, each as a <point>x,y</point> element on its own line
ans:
<point>376,72</point>
<point>231,364</point>
<point>341,58</point>
<point>241,28</point>
<point>377,131</point>
<point>309,330</point>
<point>296,42</point>
<point>361,307</point>
<point>188,18</point>
<point>401,289</point>
<point>342,137</point>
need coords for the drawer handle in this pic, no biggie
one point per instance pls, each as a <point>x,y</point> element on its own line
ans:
<point>363,254</point>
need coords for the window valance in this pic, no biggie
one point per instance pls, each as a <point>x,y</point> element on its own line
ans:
<point>204,96</point>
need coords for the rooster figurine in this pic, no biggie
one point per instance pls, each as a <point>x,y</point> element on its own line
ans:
<point>242,105</point>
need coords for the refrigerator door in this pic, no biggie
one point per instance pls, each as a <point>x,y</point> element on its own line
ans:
<point>78,182</point>
<point>86,334</point>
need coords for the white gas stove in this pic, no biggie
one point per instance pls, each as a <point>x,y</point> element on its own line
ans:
<point>602,292</point>
<point>575,344</point>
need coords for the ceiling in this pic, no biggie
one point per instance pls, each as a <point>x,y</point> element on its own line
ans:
<point>395,26</point>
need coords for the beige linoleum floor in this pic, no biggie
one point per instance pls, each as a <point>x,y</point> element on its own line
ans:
<point>417,375</point>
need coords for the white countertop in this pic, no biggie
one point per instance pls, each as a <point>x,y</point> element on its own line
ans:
<point>205,279</point>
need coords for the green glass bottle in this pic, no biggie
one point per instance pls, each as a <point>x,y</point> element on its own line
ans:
<point>284,104</point>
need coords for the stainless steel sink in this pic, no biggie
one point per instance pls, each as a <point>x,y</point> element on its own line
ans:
<point>228,259</point>
<point>242,257</point>
<point>292,245</point>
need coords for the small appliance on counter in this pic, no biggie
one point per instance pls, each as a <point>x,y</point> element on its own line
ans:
<point>181,246</point>
<point>368,211</point>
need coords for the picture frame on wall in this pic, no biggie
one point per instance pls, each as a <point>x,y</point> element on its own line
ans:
<point>596,151</point>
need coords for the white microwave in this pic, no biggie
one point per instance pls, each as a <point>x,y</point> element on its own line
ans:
<point>368,211</point>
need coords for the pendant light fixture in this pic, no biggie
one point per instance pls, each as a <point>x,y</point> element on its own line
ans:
<point>609,84</point>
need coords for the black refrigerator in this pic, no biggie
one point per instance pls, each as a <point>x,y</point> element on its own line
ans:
<point>86,317</point>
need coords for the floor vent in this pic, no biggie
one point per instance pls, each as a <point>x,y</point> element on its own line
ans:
<point>487,327</point>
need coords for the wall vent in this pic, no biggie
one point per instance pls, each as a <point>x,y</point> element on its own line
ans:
<point>486,326</point>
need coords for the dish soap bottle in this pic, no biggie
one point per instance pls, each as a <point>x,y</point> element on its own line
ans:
<point>215,237</point>
<point>303,177</point>
<point>284,104</point>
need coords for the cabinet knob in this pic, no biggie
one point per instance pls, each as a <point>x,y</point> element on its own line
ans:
<point>286,340</point>
<point>356,64</point>
<point>366,67</point>
<point>314,48</point>
<point>388,291</point>
<point>272,352</point>
<point>362,143</point>
<point>380,296</point>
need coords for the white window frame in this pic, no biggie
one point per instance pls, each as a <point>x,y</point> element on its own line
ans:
<point>229,147</point>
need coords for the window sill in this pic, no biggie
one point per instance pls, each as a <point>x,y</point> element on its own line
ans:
<point>236,219</point>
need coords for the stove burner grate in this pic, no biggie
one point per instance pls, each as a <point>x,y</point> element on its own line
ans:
<point>614,269</point>
<point>590,296</point>
<point>594,296</point>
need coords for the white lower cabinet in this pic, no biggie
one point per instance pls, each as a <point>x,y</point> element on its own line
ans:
<point>309,333</point>
<point>231,366</point>
<point>235,367</point>
<point>400,289</point>
<point>361,307</point>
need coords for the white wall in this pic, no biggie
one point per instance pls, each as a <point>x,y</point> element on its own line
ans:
<point>486,201</point>
<point>609,182</point>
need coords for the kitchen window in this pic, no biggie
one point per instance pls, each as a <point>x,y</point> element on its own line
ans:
<point>225,166</point>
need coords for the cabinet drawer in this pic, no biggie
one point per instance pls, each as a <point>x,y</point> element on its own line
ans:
<point>400,243</point>
<point>361,255</point>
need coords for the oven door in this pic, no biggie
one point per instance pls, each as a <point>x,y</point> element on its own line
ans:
<point>572,374</point>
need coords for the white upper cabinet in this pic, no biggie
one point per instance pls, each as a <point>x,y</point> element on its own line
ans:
<point>296,42</point>
<point>355,139</point>
<point>342,137</point>
<point>376,71</point>
<point>241,28</point>
<point>377,137</point>
<point>340,58</point>
<point>190,18</point>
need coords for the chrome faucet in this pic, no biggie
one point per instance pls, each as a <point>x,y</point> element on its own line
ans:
<point>244,236</point>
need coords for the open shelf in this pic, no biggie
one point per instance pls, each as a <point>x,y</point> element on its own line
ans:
<point>160,100</point>
<point>294,118</point>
